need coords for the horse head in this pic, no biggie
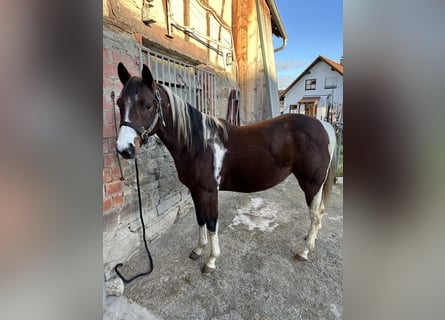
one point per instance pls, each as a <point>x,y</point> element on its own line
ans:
<point>139,104</point>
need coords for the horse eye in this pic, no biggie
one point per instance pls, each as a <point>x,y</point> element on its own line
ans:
<point>148,106</point>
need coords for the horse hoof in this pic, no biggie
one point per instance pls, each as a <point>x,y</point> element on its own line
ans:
<point>300,258</point>
<point>193,255</point>
<point>207,270</point>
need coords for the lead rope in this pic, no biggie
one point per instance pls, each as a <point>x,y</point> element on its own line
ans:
<point>140,216</point>
<point>115,131</point>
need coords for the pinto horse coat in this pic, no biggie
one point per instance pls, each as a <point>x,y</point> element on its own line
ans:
<point>211,155</point>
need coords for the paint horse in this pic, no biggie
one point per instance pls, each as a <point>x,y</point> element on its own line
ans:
<point>212,155</point>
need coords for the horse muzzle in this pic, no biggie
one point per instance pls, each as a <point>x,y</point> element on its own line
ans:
<point>128,153</point>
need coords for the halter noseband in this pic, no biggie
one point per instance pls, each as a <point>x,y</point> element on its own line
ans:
<point>141,130</point>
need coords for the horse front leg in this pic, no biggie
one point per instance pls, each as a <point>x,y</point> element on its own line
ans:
<point>206,205</point>
<point>215,251</point>
<point>202,236</point>
<point>202,242</point>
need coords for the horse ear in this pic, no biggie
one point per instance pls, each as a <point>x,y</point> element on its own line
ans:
<point>123,73</point>
<point>147,77</point>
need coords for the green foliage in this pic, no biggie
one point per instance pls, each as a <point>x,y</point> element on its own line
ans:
<point>340,163</point>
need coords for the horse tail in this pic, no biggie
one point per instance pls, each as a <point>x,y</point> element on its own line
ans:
<point>331,172</point>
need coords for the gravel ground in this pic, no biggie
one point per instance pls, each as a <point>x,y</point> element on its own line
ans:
<point>257,276</point>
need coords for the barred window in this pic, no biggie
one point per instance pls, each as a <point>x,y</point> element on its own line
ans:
<point>192,84</point>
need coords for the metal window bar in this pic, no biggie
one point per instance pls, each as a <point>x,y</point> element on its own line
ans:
<point>192,84</point>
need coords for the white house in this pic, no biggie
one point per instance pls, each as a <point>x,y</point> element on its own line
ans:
<point>316,91</point>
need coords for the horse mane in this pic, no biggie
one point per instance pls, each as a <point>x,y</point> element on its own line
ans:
<point>194,128</point>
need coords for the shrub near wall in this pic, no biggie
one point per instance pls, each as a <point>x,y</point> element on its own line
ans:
<point>163,196</point>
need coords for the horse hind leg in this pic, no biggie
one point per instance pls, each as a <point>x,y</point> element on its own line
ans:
<point>316,210</point>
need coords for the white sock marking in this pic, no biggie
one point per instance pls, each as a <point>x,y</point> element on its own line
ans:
<point>215,251</point>
<point>202,240</point>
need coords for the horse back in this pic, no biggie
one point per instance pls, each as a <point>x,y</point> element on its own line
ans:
<point>262,155</point>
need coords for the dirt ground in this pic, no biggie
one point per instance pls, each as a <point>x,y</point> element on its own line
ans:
<point>257,276</point>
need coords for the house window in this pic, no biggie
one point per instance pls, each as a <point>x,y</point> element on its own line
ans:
<point>310,84</point>
<point>194,85</point>
<point>330,83</point>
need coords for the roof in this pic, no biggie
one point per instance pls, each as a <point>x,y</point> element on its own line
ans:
<point>334,65</point>
<point>307,99</point>
<point>278,28</point>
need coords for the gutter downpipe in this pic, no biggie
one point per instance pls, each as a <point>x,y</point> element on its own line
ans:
<point>274,10</point>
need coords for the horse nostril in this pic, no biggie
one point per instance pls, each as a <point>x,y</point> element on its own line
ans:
<point>128,153</point>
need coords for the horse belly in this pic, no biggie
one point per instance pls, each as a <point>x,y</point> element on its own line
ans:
<point>252,176</point>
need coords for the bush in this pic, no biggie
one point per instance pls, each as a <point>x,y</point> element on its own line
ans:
<point>340,163</point>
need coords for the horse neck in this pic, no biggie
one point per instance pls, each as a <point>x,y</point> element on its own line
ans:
<point>167,133</point>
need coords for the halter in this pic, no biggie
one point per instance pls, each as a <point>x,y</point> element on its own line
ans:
<point>143,132</point>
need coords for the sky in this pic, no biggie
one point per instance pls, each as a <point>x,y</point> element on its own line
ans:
<point>314,27</point>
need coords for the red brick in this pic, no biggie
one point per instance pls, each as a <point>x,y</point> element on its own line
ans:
<point>107,175</point>
<point>106,102</point>
<point>116,56</point>
<point>138,37</point>
<point>130,64</point>
<point>106,55</point>
<point>113,84</point>
<point>109,70</point>
<point>108,116</point>
<point>111,145</point>
<point>109,131</point>
<point>118,200</point>
<point>109,160</point>
<point>116,173</point>
<point>106,205</point>
<point>113,187</point>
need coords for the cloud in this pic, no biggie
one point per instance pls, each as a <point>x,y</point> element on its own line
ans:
<point>289,64</point>
<point>284,80</point>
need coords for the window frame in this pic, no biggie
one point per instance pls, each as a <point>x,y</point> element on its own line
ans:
<point>310,84</point>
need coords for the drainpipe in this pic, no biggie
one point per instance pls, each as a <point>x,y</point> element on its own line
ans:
<point>169,23</point>
<point>274,11</point>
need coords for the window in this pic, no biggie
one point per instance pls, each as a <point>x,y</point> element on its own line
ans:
<point>194,85</point>
<point>330,83</point>
<point>310,84</point>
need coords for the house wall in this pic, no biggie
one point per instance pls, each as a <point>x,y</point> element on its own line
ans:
<point>319,71</point>
<point>255,60</point>
<point>126,15</point>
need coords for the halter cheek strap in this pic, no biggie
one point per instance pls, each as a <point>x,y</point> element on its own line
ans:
<point>142,131</point>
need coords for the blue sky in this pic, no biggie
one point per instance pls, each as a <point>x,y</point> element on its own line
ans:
<point>314,27</point>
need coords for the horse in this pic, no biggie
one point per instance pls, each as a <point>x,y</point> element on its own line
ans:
<point>211,155</point>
